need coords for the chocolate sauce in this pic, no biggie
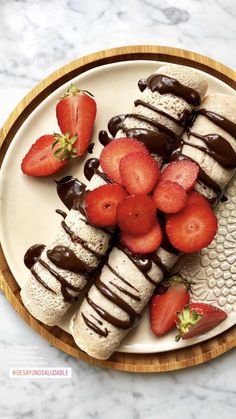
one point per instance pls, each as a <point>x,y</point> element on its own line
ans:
<point>63,257</point>
<point>120,277</point>
<point>220,121</point>
<point>90,148</point>
<point>77,239</point>
<point>217,148</point>
<point>157,142</point>
<point>91,167</point>
<point>69,188</point>
<point>126,292</point>
<point>142,85</point>
<point>94,327</point>
<point>32,255</point>
<point>116,123</point>
<point>62,213</point>
<point>164,84</point>
<point>113,297</point>
<point>40,280</point>
<point>182,120</point>
<point>64,283</point>
<point>104,138</point>
<point>155,124</point>
<point>141,263</point>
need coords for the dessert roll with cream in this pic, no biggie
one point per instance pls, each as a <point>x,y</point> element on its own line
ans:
<point>60,271</point>
<point>211,142</point>
<point>163,109</point>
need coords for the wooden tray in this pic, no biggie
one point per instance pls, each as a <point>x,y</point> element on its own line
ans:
<point>165,361</point>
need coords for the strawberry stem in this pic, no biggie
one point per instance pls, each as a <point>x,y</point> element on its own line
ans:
<point>186,319</point>
<point>73,90</point>
<point>65,150</point>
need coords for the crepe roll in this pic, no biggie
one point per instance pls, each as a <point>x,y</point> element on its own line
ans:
<point>60,271</point>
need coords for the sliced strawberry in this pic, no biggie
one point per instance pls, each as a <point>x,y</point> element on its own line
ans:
<point>114,152</point>
<point>169,197</point>
<point>183,172</point>
<point>164,307</point>
<point>192,228</point>
<point>196,198</point>
<point>101,204</point>
<point>41,160</point>
<point>139,172</point>
<point>136,214</point>
<point>144,243</point>
<point>76,113</point>
<point>197,319</point>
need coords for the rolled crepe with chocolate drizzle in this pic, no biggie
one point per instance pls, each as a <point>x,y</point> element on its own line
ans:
<point>162,111</point>
<point>60,271</point>
<point>115,302</point>
<point>211,142</point>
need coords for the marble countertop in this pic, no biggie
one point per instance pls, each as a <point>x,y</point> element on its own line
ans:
<point>36,38</point>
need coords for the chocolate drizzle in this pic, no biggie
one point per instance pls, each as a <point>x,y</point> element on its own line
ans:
<point>94,327</point>
<point>40,280</point>
<point>164,84</point>
<point>69,188</point>
<point>91,167</point>
<point>63,257</point>
<point>77,239</point>
<point>181,121</point>
<point>104,138</point>
<point>32,255</point>
<point>220,121</point>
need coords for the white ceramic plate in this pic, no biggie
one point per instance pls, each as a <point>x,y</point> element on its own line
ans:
<point>28,204</point>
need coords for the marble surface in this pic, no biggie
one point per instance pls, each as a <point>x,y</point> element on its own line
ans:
<point>36,38</point>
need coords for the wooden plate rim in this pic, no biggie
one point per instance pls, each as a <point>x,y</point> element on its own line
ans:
<point>157,362</point>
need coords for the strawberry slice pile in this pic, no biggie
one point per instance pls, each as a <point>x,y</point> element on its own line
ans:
<point>76,112</point>
<point>190,222</point>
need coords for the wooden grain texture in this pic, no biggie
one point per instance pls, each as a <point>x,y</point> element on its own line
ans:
<point>158,362</point>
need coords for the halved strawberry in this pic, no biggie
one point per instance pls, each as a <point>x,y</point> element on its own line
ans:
<point>192,228</point>
<point>76,112</point>
<point>184,172</point>
<point>41,160</point>
<point>136,214</point>
<point>113,153</point>
<point>139,172</point>
<point>169,197</point>
<point>196,198</point>
<point>164,307</point>
<point>101,204</point>
<point>197,319</point>
<point>143,243</point>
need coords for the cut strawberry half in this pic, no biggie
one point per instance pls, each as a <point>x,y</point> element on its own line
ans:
<point>192,229</point>
<point>76,112</point>
<point>169,197</point>
<point>197,319</point>
<point>45,157</point>
<point>183,172</point>
<point>164,307</point>
<point>196,198</point>
<point>136,214</point>
<point>101,204</point>
<point>114,152</point>
<point>139,172</point>
<point>144,243</point>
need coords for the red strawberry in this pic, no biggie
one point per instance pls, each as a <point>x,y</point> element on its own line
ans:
<point>192,228</point>
<point>101,204</point>
<point>43,159</point>
<point>197,319</point>
<point>164,307</point>
<point>139,172</point>
<point>136,214</point>
<point>113,153</point>
<point>196,198</point>
<point>144,243</point>
<point>169,197</point>
<point>76,113</point>
<point>183,172</point>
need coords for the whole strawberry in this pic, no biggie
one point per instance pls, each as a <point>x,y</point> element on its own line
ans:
<point>76,112</point>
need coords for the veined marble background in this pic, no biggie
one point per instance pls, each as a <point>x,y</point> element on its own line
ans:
<point>36,38</point>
